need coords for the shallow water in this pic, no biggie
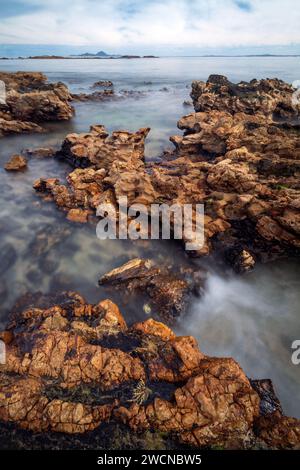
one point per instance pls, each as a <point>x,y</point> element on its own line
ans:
<point>254,318</point>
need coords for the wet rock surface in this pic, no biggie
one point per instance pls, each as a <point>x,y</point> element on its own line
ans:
<point>16,163</point>
<point>168,291</point>
<point>239,156</point>
<point>62,376</point>
<point>270,97</point>
<point>30,101</point>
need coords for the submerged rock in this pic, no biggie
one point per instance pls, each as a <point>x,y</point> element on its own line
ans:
<point>73,366</point>
<point>30,100</point>
<point>16,163</point>
<point>8,257</point>
<point>168,292</point>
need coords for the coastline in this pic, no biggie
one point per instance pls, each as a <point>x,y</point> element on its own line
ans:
<point>78,196</point>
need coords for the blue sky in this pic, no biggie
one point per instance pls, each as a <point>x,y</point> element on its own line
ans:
<point>170,27</point>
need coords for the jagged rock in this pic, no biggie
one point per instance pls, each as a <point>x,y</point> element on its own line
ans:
<point>235,157</point>
<point>39,106</point>
<point>16,163</point>
<point>22,401</point>
<point>258,96</point>
<point>23,81</point>
<point>278,432</point>
<point>30,100</point>
<point>269,402</point>
<point>18,127</point>
<point>168,292</point>
<point>71,366</point>
<point>100,150</point>
<point>214,404</point>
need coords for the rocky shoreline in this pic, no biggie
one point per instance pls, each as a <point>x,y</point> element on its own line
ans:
<point>239,156</point>
<point>71,367</point>
<point>78,369</point>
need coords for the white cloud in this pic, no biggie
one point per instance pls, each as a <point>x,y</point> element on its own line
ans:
<point>172,23</point>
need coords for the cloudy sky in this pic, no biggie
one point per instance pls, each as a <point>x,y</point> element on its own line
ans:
<point>141,26</point>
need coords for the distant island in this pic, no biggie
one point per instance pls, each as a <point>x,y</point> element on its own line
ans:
<point>104,56</point>
<point>98,54</point>
<point>89,55</point>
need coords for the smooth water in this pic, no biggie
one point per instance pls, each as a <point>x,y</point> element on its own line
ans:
<point>254,318</point>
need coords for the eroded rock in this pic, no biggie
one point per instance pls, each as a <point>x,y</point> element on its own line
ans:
<point>16,163</point>
<point>30,101</point>
<point>236,157</point>
<point>168,292</point>
<point>72,366</point>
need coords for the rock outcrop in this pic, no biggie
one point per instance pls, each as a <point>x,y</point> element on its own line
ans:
<point>71,367</point>
<point>30,101</point>
<point>16,163</point>
<point>239,156</point>
<point>269,97</point>
<point>168,291</point>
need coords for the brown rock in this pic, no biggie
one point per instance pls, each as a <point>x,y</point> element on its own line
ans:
<point>236,157</point>
<point>279,432</point>
<point>155,328</point>
<point>99,149</point>
<point>30,100</point>
<point>16,163</point>
<point>58,367</point>
<point>78,215</point>
<point>168,292</point>
<point>13,126</point>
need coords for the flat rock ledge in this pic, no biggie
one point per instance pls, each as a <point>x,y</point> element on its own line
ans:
<point>72,368</point>
<point>32,101</point>
<point>239,155</point>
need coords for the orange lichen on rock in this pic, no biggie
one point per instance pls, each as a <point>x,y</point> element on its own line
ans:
<point>239,156</point>
<point>73,366</point>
